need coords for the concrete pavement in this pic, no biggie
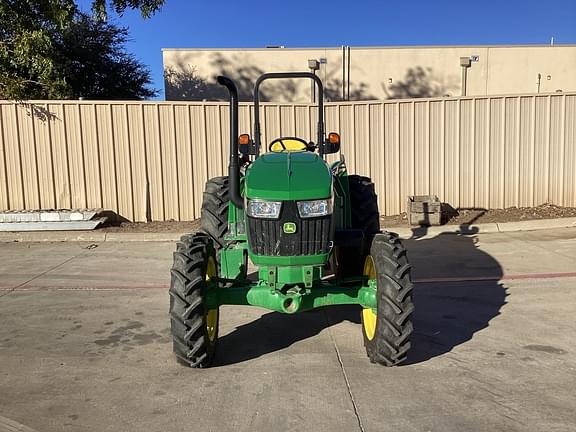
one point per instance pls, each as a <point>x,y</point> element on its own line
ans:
<point>85,346</point>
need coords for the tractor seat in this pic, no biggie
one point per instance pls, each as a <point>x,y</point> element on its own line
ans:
<point>288,144</point>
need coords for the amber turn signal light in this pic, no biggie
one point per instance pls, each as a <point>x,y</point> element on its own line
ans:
<point>244,139</point>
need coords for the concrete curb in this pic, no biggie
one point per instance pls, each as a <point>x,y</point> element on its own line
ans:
<point>89,236</point>
<point>404,232</point>
<point>151,237</point>
<point>52,236</point>
<point>530,225</point>
<point>426,232</point>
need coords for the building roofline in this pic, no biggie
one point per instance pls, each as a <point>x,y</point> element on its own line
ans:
<point>225,103</point>
<point>376,47</point>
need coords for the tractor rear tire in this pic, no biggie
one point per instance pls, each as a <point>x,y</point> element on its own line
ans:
<point>387,332</point>
<point>364,205</point>
<point>365,216</point>
<point>214,213</point>
<point>194,328</point>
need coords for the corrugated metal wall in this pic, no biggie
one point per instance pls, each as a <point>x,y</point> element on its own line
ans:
<point>150,160</point>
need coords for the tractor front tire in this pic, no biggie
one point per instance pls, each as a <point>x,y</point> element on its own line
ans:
<point>194,327</point>
<point>214,213</point>
<point>387,330</point>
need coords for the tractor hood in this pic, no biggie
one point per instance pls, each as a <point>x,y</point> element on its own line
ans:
<point>288,176</point>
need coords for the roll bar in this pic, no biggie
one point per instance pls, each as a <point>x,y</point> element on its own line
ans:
<point>277,75</point>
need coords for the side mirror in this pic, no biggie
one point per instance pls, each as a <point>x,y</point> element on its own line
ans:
<point>246,145</point>
<point>332,144</point>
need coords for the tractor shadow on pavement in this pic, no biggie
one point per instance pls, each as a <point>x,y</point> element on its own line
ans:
<point>275,331</point>
<point>457,293</point>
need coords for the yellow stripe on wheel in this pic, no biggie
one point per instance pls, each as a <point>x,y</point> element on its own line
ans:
<point>212,314</point>
<point>212,324</point>
<point>369,323</point>
<point>368,315</point>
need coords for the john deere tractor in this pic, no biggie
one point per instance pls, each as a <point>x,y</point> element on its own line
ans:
<point>312,231</point>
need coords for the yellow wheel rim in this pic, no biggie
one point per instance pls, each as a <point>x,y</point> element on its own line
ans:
<point>368,315</point>
<point>212,324</point>
<point>212,314</point>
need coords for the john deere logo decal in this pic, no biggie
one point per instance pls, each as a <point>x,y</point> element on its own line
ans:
<point>289,227</point>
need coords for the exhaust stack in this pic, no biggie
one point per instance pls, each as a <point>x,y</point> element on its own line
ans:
<point>234,165</point>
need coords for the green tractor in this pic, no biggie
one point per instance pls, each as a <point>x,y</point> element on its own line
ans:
<point>312,231</point>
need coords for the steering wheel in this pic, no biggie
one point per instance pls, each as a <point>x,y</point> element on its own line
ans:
<point>290,144</point>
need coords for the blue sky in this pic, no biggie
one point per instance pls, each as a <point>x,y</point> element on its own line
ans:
<point>300,23</point>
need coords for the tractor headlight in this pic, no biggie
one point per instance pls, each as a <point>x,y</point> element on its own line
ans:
<point>263,209</point>
<point>308,209</point>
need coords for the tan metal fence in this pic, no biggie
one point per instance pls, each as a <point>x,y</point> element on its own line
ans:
<point>147,160</point>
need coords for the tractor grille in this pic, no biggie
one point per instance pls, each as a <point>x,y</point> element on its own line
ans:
<point>267,237</point>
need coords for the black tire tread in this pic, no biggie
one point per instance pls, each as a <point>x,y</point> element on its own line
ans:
<point>365,216</point>
<point>364,205</point>
<point>214,212</point>
<point>391,341</point>
<point>187,295</point>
